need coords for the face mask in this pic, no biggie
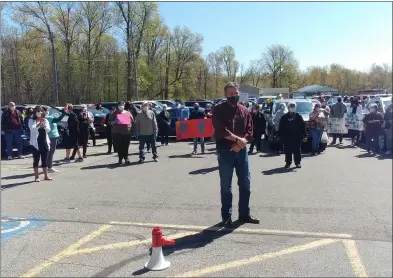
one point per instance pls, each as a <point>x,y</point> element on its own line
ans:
<point>254,111</point>
<point>144,109</point>
<point>196,108</point>
<point>373,110</point>
<point>292,109</point>
<point>38,114</point>
<point>233,100</point>
<point>121,108</point>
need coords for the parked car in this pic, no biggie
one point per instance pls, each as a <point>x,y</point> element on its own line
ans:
<point>157,107</point>
<point>303,106</point>
<point>202,103</point>
<point>53,111</point>
<point>99,120</point>
<point>109,105</point>
<point>168,102</point>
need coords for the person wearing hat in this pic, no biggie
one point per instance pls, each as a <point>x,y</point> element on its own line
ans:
<point>121,121</point>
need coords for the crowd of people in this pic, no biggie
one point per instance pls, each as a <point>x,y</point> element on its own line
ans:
<point>234,128</point>
<point>123,121</point>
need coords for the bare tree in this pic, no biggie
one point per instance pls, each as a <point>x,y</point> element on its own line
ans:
<point>214,61</point>
<point>37,16</point>
<point>67,22</point>
<point>275,60</point>
<point>228,57</point>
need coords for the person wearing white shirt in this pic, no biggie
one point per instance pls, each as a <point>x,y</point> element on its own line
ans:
<point>39,140</point>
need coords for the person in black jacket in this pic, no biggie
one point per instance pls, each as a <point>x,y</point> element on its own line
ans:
<point>164,125</point>
<point>108,131</point>
<point>72,134</point>
<point>13,126</point>
<point>259,124</point>
<point>197,114</point>
<point>83,139</point>
<point>292,132</point>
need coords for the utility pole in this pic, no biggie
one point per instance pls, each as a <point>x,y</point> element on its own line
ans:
<point>54,69</point>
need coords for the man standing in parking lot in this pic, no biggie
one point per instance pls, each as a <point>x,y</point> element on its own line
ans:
<point>147,130</point>
<point>182,113</point>
<point>338,111</point>
<point>234,129</point>
<point>12,125</point>
<point>388,117</point>
<point>197,114</point>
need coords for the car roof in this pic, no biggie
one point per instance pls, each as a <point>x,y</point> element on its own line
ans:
<point>292,99</point>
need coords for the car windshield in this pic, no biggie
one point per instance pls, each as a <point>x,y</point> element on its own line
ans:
<point>304,107</point>
<point>262,100</point>
<point>54,112</point>
<point>99,112</point>
<point>202,104</point>
<point>387,103</point>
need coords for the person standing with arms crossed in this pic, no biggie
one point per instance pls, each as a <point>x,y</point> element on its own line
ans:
<point>233,125</point>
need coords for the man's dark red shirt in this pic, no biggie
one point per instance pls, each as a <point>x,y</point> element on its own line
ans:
<point>231,119</point>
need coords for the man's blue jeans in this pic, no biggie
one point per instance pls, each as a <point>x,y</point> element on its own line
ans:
<point>316,135</point>
<point>227,161</point>
<point>389,135</point>
<point>9,137</point>
<point>202,140</point>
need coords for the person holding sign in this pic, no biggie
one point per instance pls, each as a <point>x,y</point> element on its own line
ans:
<point>197,114</point>
<point>338,111</point>
<point>318,125</point>
<point>373,123</point>
<point>121,121</point>
<point>233,125</point>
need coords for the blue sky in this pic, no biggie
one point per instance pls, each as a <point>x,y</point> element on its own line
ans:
<point>354,34</point>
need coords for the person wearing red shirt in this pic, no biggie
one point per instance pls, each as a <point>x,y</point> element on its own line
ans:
<point>233,130</point>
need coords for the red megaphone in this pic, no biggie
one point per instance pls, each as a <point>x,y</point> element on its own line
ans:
<point>158,240</point>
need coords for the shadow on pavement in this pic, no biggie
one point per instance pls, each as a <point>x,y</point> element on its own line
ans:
<point>187,155</point>
<point>204,171</point>
<point>22,176</point>
<point>195,241</point>
<point>6,186</point>
<point>365,155</point>
<point>280,170</point>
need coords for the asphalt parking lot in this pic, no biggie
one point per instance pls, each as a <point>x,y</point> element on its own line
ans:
<point>333,217</point>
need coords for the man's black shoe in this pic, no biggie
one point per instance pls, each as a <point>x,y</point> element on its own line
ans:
<point>227,223</point>
<point>287,166</point>
<point>127,161</point>
<point>298,166</point>
<point>248,219</point>
<point>141,160</point>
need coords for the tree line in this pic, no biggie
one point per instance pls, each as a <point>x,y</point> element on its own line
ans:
<point>108,51</point>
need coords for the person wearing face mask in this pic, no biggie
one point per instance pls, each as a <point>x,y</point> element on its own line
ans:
<point>292,131</point>
<point>165,124</point>
<point>147,130</point>
<point>233,127</point>
<point>318,125</point>
<point>182,113</point>
<point>108,131</point>
<point>282,110</point>
<point>355,108</point>
<point>259,126</point>
<point>373,128</point>
<point>39,140</point>
<point>71,134</point>
<point>208,111</point>
<point>121,122</point>
<point>84,125</point>
<point>338,111</point>
<point>12,124</point>
<point>53,137</point>
<point>197,114</point>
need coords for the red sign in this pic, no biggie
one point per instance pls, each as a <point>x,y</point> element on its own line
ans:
<point>194,129</point>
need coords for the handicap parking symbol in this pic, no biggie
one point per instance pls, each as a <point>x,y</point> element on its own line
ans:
<point>11,226</point>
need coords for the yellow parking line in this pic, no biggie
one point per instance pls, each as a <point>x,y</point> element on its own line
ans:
<point>354,258</point>
<point>239,230</point>
<point>125,244</point>
<point>69,250</point>
<point>257,258</point>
